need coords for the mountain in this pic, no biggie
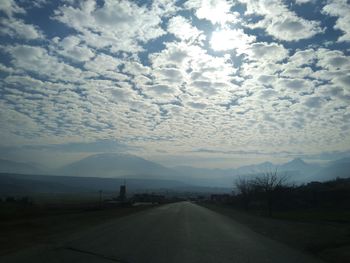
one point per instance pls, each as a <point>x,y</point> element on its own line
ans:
<point>122,166</point>
<point>29,184</point>
<point>202,172</point>
<point>298,170</point>
<point>298,164</point>
<point>7,166</point>
<point>256,168</point>
<point>116,165</point>
<point>205,177</point>
<point>129,166</point>
<point>339,168</point>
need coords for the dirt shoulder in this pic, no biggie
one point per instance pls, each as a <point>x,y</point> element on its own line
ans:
<point>46,226</point>
<point>329,241</point>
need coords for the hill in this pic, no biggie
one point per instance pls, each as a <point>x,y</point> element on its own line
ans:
<point>7,166</point>
<point>116,165</point>
<point>336,169</point>
<point>28,184</point>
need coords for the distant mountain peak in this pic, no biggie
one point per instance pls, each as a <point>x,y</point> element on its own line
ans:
<point>295,163</point>
<point>297,160</point>
<point>114,165</point>
<point>267,163</point>
<point>110,155</point>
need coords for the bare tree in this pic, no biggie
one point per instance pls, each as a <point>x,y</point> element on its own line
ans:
<point>268,184</point>
<point>245,189</point>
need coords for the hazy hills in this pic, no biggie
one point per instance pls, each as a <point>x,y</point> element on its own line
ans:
<point>297,170</point>
<point>339,168</point>
<point>29,184</point>
<point>120,166</point>
<point>129,166</point>
<point>7,166</point>
<point>116,165</point>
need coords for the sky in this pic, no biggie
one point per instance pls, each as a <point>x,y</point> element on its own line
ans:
<point>209,83</point>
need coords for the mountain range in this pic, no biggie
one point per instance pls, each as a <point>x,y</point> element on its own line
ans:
<point>29,184</point>
<point>116,165</point>
<point>8,166</point>
<point>132,167</point>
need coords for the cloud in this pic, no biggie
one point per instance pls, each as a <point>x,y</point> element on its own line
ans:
<point>197,105</point>
<point>72,48</point>
<point>296,72</point>
<point>161,93</point>
<point>116,25</point>
<point>332,59</point>
<point>182,28</point>
<point>343,81</point>
<point>303,57</point>
<point>165,8</point>
<point>341,10</point>
<point>175,54</point>
<point>296,84</point>
<point>314,102</point>
<point>300,2</point>
<point>172,75</point>
<point>16,28</point>
<point>10,7</point>
<point>106,66</point>
<point>231,39</point>
<point>204,150</point>
<point>37,60</point>
<point>267,52</point>
<point>279,21</point>
<point>215,11</point>
<point>81,147</point>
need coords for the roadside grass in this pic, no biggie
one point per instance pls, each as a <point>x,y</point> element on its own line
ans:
<point>48,205</point>
<point>315,215</point>
<point>325,234</point>
<point>25,226</point>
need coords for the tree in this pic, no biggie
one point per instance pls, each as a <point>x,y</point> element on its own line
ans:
<point>245,190</point>
<point>269,184</point>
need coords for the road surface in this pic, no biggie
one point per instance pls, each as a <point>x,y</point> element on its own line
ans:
<point>179,232</point>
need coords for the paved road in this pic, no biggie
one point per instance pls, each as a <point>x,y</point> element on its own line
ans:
<point>179,232</point>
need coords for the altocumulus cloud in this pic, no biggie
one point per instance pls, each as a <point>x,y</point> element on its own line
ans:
<point>234,77</point>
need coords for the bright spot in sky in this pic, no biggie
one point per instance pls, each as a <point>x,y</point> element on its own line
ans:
<point>220,41</point>
<point>229,39</point>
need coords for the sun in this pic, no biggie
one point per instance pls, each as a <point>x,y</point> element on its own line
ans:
<point>225,39</point>
<point>221,40</point>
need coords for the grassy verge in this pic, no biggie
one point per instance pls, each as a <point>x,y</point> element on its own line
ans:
<point>22,227</point>
<point>315,215</point>
<point>304,230</point>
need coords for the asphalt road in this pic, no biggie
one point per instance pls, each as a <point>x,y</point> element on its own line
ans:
<point>179,232</point>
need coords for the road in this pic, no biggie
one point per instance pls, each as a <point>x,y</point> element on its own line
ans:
<point>178,232</point>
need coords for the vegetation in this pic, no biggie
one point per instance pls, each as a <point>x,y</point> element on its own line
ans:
<point>272,193</point>
<point>266,187</point>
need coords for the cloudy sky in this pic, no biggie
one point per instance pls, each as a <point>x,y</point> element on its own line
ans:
<point>204,82</point>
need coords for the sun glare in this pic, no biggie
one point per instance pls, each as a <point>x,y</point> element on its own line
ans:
<point>219,41</point>
<point>230,39</point>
